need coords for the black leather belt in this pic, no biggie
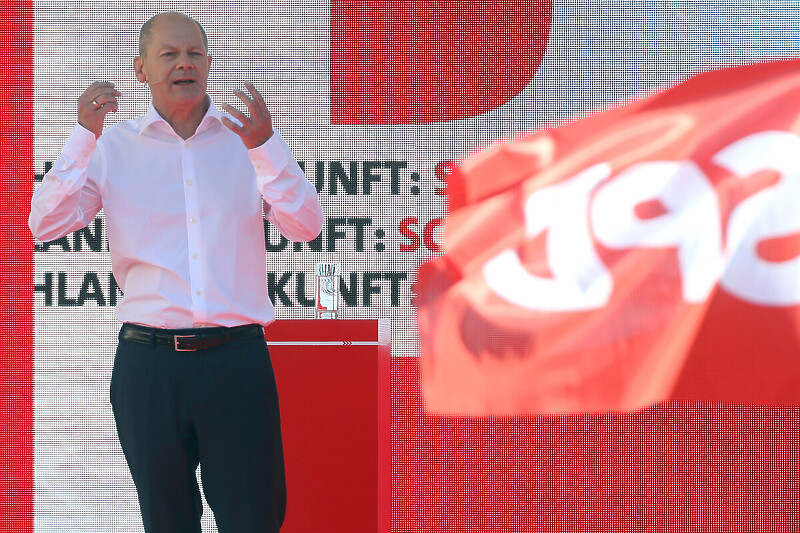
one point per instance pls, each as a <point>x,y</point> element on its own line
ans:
<point>189,340</point>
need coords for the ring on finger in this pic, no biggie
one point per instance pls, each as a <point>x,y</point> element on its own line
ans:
<point>96,105</point>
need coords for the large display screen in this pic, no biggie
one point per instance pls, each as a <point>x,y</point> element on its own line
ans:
<point>377,99</point>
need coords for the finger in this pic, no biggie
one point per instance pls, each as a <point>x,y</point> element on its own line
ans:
<point>110,107</point>
<point>99,87</point>
<point>262,105</point>
<point>104,100</point>
<point>106,109</point>
<point>251,105</point>
<point>259,102</point>
<point>98,84</point>
<point>110,91</point>
<point>98,94</point>
<point>244,119</point>
<point>228,123</point>
<point>102,111</point>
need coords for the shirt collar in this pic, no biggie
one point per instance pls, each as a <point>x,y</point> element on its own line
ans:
<point>153,116</point>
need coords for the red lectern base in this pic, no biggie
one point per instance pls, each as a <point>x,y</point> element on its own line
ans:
<point>334,389</point>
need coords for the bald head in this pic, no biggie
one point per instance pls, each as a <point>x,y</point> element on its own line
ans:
<point>146,33</point>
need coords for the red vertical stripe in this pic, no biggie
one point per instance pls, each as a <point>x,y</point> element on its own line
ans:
<point>16,269</point>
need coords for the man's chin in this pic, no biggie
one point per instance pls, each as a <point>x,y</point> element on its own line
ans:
<point>192,90</point>
<point>184,98</point>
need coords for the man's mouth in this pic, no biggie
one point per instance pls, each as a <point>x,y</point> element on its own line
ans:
<point>183,82</point>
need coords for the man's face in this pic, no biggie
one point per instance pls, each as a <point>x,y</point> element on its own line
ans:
<point>174,63</point>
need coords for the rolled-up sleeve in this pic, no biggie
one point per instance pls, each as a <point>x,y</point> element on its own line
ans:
<point>292,204</point>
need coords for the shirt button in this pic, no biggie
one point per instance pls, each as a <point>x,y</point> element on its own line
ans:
<point>198,293</point>
<point>194,256</point>
<point>186,145</point>
<point>189,182</point>
<point>192,220</point>
<point>69,182</point>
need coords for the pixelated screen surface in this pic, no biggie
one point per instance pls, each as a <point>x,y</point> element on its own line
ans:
<point>375,98</point>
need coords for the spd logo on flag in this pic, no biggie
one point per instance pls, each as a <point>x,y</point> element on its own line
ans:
<point>646,253</point>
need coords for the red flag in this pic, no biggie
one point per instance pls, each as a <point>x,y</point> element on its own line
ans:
<point>646,253</point>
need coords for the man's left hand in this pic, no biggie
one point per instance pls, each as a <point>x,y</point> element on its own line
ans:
<point>255,129</point>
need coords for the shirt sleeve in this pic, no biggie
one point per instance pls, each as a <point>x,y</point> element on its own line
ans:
<point>68,197</point>
<point>292,204</point>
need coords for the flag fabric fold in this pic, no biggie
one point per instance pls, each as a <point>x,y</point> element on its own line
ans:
<point>645,253</point>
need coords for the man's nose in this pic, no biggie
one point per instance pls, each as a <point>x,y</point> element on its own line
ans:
<point>184,62</point>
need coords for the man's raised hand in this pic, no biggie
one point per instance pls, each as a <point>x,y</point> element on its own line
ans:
<point>255,129</point>
<point>95,103</point>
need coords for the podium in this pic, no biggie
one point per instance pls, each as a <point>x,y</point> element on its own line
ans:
<point>334,392</point>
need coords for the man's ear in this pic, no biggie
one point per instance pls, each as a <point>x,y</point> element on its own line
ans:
<point>138,67</point>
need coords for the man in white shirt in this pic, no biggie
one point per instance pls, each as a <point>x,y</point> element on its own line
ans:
<point>182,189</point>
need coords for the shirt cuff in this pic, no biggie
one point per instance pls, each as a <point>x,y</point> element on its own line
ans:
<point>270,158</point>
<point>81,144</point>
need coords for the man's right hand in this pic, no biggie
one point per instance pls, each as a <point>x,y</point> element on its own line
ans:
<point>95,103</point>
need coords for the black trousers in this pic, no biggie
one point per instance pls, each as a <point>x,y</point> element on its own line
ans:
<point>217,408</point>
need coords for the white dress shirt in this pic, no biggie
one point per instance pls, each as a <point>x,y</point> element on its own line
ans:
<point>184,218</point>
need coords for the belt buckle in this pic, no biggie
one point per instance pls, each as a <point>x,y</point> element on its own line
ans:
<point>179,349</point>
